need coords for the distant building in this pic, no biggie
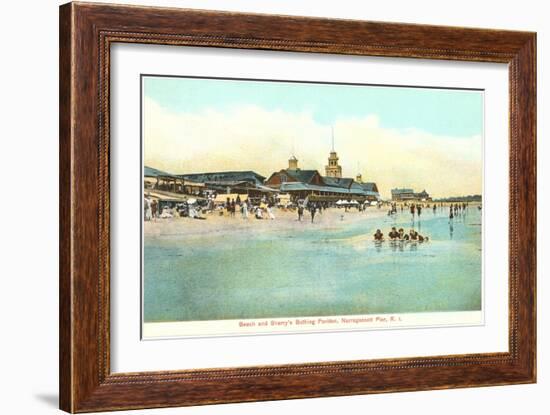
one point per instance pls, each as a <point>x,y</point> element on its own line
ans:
<point>423,195</point>
<point>403,195</point>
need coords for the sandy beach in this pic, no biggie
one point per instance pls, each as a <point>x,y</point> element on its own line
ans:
<point>284,220</point>
<point>331,218</point>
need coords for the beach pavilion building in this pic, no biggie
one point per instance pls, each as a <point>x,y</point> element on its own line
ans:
<point>169,190</point>
<point>160,181</point>
<point>247,183</point>
<point>176,187</point>
<point>309,183</point>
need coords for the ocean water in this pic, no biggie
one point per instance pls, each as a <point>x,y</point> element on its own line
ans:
<point>316,272</point>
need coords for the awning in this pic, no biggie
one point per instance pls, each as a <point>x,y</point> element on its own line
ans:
<point>263,188</point>
<point>167,196</point>
<point>340,191</point>
<point>193,184</point>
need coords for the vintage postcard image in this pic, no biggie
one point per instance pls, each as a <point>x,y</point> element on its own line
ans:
<point>275,206</point>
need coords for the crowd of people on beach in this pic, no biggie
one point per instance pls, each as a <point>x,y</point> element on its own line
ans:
<point>152,209</point>
<point>263,209</point>
<point>455,209</point>
<point>247,207</point>
<point>312,207</point>
<point>416,208</point>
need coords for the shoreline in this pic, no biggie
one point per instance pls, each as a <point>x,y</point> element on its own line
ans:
<point>215,225</point>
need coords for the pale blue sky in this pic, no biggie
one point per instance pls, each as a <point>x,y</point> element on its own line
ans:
<point>453,113</point>
<point>395,136</point>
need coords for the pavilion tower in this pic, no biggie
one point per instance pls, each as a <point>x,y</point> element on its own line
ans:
<point>359,177</point>
<point>333,169</point>
<point>293,163</point>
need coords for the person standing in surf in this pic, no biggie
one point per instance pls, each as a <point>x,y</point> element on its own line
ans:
<point>312,209</point>
<point>300,212</point>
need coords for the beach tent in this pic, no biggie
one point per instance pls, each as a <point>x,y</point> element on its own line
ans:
<point>166,213</point>
<point>163,196</point>
<point>284,199</point>
<point>343,202</point>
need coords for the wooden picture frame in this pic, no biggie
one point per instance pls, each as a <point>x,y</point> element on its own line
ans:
<point>86,33</point>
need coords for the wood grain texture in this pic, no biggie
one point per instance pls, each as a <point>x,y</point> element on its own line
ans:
<point>86,33</point>
<point>65,246</point>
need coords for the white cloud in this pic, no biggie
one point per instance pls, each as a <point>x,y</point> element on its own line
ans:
<point>252,138</point>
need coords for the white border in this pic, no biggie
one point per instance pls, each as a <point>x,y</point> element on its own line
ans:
<point>314,324</point>
<point>128,353</point>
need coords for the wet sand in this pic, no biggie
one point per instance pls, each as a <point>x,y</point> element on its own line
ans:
<point>229,268</point>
